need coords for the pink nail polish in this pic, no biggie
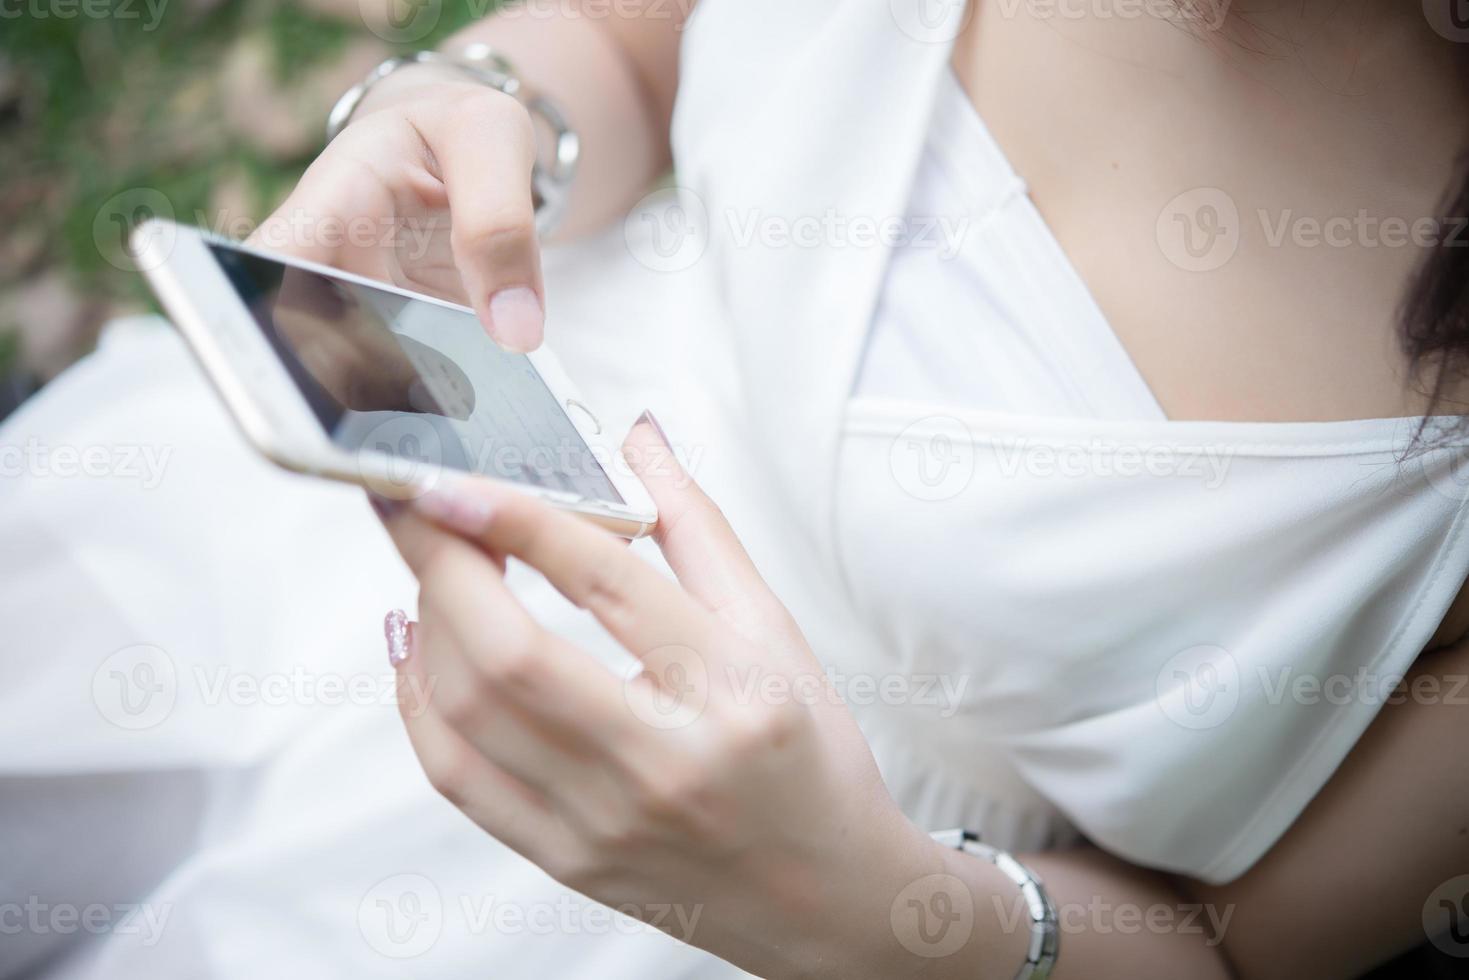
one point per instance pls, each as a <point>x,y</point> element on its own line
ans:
<point>395,628</point>
<point>455,508</point>
<point>385,508</point>
<point>517,320</point>
<point>652,420</point>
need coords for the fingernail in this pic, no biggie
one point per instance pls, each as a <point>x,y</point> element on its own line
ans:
<point>517,319</point>
<point>384,507</point>
<point>652,420</point>
<point>396,629</point>
<point>455,508</point>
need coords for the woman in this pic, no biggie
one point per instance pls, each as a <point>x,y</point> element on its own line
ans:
<point>1134,463</point>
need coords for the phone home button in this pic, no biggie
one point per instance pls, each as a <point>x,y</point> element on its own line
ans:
<point>573,405</point>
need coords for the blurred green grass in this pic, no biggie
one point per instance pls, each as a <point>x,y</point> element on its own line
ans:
<point>92,107</point>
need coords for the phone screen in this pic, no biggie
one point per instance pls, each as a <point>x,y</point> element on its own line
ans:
<point>415,381</point>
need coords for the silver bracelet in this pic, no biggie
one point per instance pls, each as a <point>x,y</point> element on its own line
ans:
<point>1045,926</point>
<point>550,182</point>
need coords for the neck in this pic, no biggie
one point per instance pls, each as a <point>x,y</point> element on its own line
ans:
<point>1345,45</point>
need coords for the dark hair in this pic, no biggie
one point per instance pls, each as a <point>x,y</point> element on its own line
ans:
<point>1435,311</point>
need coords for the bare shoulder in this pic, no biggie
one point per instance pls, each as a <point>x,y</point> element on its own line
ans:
<point>1248,222</point>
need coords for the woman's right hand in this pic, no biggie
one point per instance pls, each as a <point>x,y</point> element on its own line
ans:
<point>428,188</point>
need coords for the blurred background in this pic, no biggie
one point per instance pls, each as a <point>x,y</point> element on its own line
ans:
<point>112,110</point>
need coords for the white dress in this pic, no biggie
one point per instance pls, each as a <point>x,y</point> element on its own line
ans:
<point>1164,636</point>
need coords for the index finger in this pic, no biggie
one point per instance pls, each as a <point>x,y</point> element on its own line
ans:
<point>498,640</point>
<point>477,133</point>
<point>648,613</point>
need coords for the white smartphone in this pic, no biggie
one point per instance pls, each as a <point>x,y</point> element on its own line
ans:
<point>339,376</point>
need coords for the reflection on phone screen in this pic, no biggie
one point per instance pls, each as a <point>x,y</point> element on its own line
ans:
<point>414,380</point>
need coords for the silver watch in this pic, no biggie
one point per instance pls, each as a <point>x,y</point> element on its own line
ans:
<point>550,181</point>
<point>1045,925</point>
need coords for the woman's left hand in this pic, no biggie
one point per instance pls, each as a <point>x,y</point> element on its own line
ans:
<point>724,794</point>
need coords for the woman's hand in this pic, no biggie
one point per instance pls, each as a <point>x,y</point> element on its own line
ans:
<point>725,780</point>
<point>727,796</point>
<point>427,144</point>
